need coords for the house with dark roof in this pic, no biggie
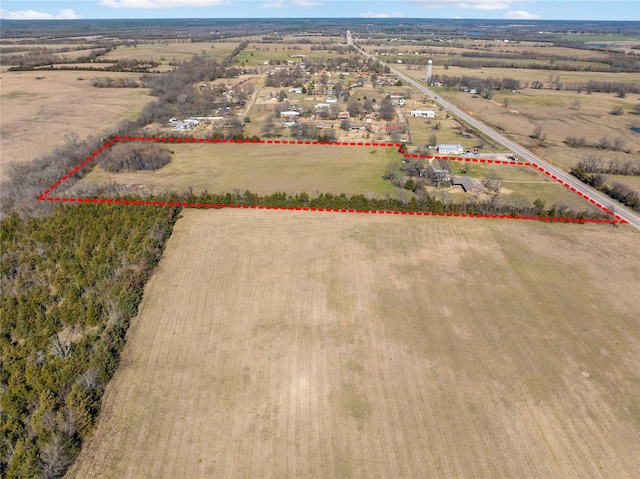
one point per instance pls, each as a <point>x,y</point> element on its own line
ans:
<point>468,184</point>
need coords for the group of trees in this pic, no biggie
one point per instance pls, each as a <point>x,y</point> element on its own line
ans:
<point>110,82</point>
<point>132,157</point>
<point>605,143</point>
<point>616,190</point>
<point>26,180</point>
<point>478,83</point>
<point>71,282</point>
<point>301,130</point>
<point>554,83</point>
<point>596,164</point>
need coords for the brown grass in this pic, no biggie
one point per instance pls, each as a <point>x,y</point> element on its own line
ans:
<point>171,50</point>
<point>36,114</point>
<point>285,344</point>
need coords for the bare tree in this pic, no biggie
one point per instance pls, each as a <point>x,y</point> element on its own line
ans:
<point>269,129</point>
<point>537,133</point>
<point>387,112</point>
<point>492,182</point>
<point>616,110</point>
<point>445,199</point>
<point>72,138</point>
<point>60,348</point>
<point>353,106</point>
<point>53,459</point>
<point>619,143</point>
<point>89,379</point>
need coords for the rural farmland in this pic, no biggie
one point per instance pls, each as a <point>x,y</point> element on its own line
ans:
<point>293,344</point>
<point>211,268</point>
<point>40,108</point>
<point>261,169</point>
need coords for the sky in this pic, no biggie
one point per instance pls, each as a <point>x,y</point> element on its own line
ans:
<point>481,9</point>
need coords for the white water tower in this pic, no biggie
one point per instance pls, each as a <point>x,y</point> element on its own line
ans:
<point>429,68</point>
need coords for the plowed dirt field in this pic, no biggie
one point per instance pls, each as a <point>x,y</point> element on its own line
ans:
<point>306,345</point>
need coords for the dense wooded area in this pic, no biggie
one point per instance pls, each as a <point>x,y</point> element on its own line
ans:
<point>71,283</point>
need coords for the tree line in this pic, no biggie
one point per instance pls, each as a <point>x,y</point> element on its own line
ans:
<point>596,164</point>
<point>604,143</point>
<point>628,65</point>
<point>591,86</point>
<point>616,190</point>
<point>424,202</point>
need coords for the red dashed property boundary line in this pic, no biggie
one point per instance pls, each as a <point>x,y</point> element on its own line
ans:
<point>47,194</point>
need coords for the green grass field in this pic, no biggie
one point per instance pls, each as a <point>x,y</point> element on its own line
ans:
<point>262,169</point>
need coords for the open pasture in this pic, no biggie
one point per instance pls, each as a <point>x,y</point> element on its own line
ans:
<point>262,169</point>
<point>291,344</point>
<point>165,52</point>
<point>40,107</point>
<point>257,53</point>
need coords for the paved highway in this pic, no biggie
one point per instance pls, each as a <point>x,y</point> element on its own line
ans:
<point>519,151</point>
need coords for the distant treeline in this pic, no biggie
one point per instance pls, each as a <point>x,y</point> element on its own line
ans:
<point>615,63</point>
<point>482,83</point>
<point>477,83</point>
<point>80,64</point>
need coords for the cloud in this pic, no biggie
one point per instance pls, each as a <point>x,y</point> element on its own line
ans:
<point>63,14</point>
<point>307,4</point>
<point>160,4</point>
<point>381,15</point>
<point>520,15</point>
<point>277,4</point>
<point>466,4</point>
